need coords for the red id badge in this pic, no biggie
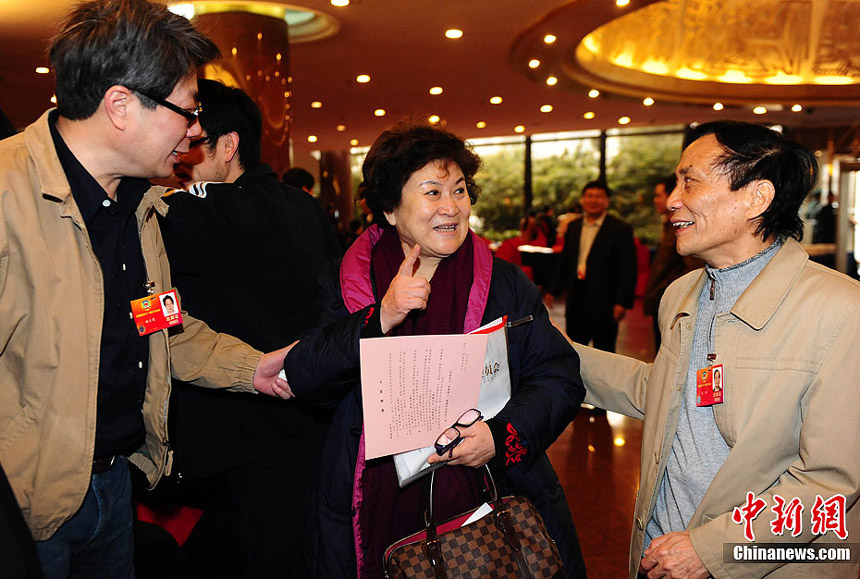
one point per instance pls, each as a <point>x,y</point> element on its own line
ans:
<point>156,312</point>
<point>709,385</point>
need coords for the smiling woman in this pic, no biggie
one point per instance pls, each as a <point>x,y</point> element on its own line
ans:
<point>420,188</point>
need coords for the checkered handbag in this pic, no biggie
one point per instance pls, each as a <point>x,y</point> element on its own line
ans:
<point>511,542</point>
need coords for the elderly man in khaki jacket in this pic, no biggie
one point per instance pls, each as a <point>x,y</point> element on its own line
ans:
<point>752,420</point>
<point>84,383</point>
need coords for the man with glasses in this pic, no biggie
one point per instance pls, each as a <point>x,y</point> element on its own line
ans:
<point>84,386</point>
<point>256,458</point>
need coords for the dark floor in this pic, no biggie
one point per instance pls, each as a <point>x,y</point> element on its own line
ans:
<point>597,461</point>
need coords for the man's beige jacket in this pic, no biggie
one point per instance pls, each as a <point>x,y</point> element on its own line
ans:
<point>51,309</point>
<point>790,349</point>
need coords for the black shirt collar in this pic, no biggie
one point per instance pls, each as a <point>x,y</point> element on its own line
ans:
<point>89,195</point>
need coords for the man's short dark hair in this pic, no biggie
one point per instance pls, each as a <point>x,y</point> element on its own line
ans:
<point>133,43</point>
<point>404,149</point>
<point>167,297</point>
<point>299,178</point>
<point>753,152</point>
<point>597,184</point>
<point>226,110</point>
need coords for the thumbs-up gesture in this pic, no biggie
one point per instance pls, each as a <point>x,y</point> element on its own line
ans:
<point>407,292</point>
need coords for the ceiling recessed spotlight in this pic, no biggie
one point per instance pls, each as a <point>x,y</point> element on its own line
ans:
<point>496,100</point>
<point>551,80</point>
<point>54,99</point>
<point>363,78</point>
<point>454,33</point>
<point>341,128</point>
<point>588,116</point>
<point>481,125</point>
<point>622,3</point>
<point>259,36</point>
<point>42,70</point>
<point>546,109</point>
<point>593,93</point>
<point>436,90</point>
<point>339,3</point>
<point>718,106</point>
<point>234,51</point>
<point>353,142</point>
<point>796,108</point>
<point>278,57</point>
<point>433,119</point>
<point>534,63</point>
<point>648,101</point>
<point>519,129</point>
<point>759,110</point>
<point>316,105</point>
<point>624,121</point>
<point>379,112</point>
<point>312,138</point>
<point>549,38</point>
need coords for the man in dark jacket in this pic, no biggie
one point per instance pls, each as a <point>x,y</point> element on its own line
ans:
<point>598,270</point>
<point>667,265</point>
<point>245,253</point>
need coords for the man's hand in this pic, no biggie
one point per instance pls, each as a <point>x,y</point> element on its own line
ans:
<point>672,556</point>
<point>407,292</point>
<point>476,449</point>
<point>618,313</point>
<point>266,379</point>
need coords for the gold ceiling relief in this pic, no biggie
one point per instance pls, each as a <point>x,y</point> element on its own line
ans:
<point>778,42</point>
<point>735,51</point>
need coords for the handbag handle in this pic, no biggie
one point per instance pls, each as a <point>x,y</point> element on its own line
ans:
<point>502,520</point>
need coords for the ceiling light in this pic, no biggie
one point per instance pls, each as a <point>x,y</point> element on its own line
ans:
<point>353,142</point>
<point>624,121</point>
<point>42,70</point>
<point>340,3</point>
<point>593,93</point>
<point>796,108</point>
<point>316,105</point>
<point>655,67</point>
<point>718,106</point>
<point>759,110</point>
<point>54,99</point>
<point>588,116</point>
<point>496,100</point>
<point>454,33</point>
<point>534,63</point>
<point>551,80</point>
<point>433,119</point>
<point>833,80</point>
<point>648,101</point>
<point>546,109</point>
<point>234,51</point>
<point>363,78</point>
<point>782,78</point>
<point>312,138</point>
<point>379,112</point>
<point>549,38</point>
<point>481,124</point>
<point>622,3</point>
<point>690,74</point>
<point>259,36</point>
<point>278,57</point>
<point>735,77</point>
<point>341,128</point>
<point>436,90</point>
<point>519,129</point>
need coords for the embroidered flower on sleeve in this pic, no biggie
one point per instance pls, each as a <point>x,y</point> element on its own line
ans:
<point>516,449</point>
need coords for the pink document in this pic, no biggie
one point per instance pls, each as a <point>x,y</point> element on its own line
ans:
<point>413,387</point>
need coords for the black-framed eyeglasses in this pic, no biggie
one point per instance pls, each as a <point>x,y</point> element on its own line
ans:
<point>448,440</point>
<point>190,116</point>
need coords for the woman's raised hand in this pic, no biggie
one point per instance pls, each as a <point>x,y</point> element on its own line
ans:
<point>407,292</point>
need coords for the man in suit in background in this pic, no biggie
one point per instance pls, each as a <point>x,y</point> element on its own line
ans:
<point>667,265</point>
<point>598,270</point>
